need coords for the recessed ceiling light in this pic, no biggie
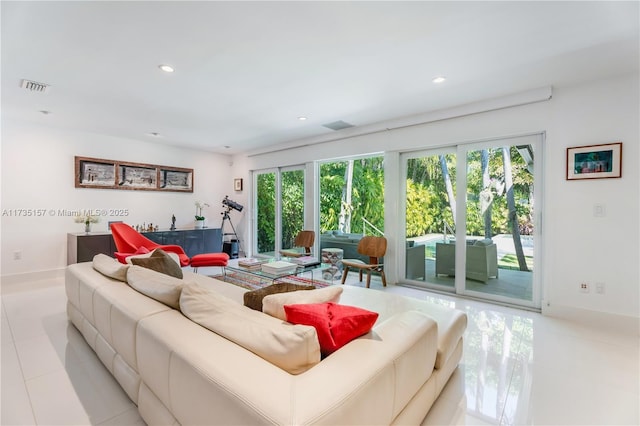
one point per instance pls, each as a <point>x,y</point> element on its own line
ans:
<point>302,118</point>
<point>45,112</point>
<point>439,79</point>
<point>227,147</point>
<point>154,134</point>
<point>166,68</point>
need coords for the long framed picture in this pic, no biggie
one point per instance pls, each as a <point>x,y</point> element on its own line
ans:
<point>594,161</point>
<point>109,174</point>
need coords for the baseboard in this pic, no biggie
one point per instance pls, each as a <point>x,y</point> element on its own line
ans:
<point>601,320</point>
<point>13,279</point>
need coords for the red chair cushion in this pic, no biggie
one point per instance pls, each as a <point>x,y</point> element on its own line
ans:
<point>209,259</point>
<point>122,257</point>
<point>335,324</point>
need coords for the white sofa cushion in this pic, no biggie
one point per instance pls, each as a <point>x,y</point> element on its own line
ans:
<point>110,267</point>
<point>294,348</point>
<point>273,304</point>
<point>158,286</point>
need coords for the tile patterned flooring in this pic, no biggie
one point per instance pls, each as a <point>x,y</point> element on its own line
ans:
<point>518,368</point>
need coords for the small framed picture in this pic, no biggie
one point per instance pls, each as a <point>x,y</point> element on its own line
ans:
<point>237,184</point>
<point>594,161</point>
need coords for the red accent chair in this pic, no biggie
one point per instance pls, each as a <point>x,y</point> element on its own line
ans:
<point>128,241</point>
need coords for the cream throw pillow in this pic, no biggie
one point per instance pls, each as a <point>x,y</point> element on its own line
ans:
<point>273,304</point>
<point>161,287</point>
<point>110,267</point>
<point>294,348</point>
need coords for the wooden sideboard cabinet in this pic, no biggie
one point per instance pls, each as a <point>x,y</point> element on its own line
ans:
<point>82,247</point>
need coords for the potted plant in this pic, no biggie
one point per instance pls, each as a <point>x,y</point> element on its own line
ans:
<point>87,219</point>
<point>199,224</point>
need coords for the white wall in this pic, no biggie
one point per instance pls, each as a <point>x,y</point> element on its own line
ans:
<point>38,173</point>
<point>579,247</point>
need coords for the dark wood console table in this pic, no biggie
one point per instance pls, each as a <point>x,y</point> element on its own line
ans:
<point>82,247</point>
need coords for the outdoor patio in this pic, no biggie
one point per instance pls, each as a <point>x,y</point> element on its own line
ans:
<point>511,282</point>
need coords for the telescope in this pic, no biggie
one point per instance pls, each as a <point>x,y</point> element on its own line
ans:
<point>232,204</point>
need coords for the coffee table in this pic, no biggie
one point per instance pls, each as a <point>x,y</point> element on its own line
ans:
<point>233,266</point>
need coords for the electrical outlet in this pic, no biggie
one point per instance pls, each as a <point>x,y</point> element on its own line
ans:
<point>584,287</point>
<point>599,210</point>
<point>600,288</point>
<point>17,255</point>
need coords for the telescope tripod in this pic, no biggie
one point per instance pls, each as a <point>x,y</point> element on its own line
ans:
<point>225,217</point>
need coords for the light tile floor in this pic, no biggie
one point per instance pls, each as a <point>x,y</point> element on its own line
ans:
<point>519,368</point>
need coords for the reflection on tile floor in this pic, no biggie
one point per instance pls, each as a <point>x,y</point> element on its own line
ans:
<point>518,368</point>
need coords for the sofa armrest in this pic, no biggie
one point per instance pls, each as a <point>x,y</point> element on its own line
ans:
<point>371,379</point>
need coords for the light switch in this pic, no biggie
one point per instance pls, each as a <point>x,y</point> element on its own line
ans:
<point>599,210</point>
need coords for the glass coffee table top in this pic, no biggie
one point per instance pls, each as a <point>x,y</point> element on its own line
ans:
<point>256,269</point>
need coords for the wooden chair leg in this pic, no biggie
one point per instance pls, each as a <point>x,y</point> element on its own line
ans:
<point>344,274</point>
<point>368,277</point>
<point>360,275</point>
<point>384,279</point>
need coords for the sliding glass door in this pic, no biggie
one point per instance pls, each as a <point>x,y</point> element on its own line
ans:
<point>470,222</point>
<point>280,206</point>
<point>430,214</point>
<point>499,238</point>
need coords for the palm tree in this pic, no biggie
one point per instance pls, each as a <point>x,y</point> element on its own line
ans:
<point>344,221</point>
<point>512,217</point>
<point>447,183</point>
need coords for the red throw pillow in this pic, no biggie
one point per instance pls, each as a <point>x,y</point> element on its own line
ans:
<point>335,324</point>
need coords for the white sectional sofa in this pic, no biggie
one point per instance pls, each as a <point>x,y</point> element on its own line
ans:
<point>178,372</point>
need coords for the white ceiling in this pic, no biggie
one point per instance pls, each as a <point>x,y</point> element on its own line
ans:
<point>246,70</point>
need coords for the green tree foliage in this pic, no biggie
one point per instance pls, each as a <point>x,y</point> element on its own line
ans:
<point>292,196</point>
<point>292,206</point>
<point>419,200</point>
<point>428,205</point>
<point>367,198</point>
<point>266,212</point>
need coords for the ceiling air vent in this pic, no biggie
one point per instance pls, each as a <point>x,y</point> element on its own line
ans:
<point>34,86</point>
<point>338,125</point>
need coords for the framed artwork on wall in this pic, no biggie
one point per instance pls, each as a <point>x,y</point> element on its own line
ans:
<point>237,184</point>
<point>176,179</point>
<point>109,174</point>
<point>95,173</point>
<point>594,161</point>
<point>131,176</point>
